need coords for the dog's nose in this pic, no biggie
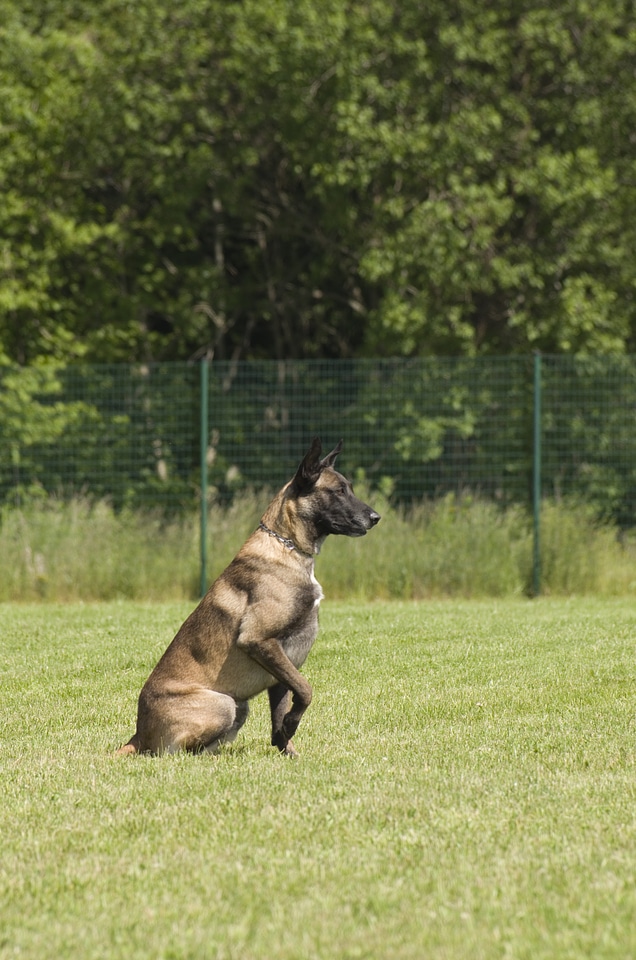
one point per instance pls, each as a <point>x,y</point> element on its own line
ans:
<point>374,517</point>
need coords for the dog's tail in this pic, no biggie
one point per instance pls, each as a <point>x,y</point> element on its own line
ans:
<point>128,748</point>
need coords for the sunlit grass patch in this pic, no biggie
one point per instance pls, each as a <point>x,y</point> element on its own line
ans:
<point>465,787</point>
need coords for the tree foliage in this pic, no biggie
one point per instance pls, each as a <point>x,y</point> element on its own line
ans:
<point>297,179</point>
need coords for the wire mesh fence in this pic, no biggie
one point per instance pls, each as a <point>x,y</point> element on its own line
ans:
<point>588,432</point>
<point>126,433</point>
<point>413,428</point>
<point>422,428</point>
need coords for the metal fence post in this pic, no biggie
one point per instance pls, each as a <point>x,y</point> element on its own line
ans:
<point>536,478</point>
<point>203,444</point>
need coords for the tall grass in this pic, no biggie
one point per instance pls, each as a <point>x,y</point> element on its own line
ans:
<point>80,550</point>
<point>473,548</point>
<point>87,551</point>
<point>444,548</point>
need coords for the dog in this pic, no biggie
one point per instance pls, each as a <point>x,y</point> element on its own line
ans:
<point>256,624</point>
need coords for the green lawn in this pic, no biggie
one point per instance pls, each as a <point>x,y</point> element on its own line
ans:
<point>466,788</point>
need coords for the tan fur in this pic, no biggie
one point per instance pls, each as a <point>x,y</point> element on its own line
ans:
<point>255,626</point>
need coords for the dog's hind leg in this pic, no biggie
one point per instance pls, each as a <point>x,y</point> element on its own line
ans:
<point>279,705</point>
<point>188,717</point>
<point>242,711</point>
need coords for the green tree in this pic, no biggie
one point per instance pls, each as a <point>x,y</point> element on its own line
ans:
<point>493,147</point>
<point>278,178</point>
<point>41,101</point>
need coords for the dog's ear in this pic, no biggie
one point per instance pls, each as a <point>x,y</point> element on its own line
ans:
<point>330,459</point>
<point>310,468</point>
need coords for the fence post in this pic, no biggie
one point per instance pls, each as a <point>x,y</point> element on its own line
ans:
<point>203,449</point>
<point>536,478</point>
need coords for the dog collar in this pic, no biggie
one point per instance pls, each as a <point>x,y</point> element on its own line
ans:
<point>284,540</point>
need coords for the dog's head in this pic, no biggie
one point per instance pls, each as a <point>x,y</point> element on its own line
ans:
<point>325,499</point>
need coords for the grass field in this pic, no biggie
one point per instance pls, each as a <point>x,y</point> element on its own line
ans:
<point>466,788</point>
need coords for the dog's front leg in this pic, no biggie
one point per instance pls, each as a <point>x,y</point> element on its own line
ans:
<point>279,704</point>
<point>270,655</point>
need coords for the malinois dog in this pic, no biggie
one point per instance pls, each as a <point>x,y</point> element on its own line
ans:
<point>255,626</point>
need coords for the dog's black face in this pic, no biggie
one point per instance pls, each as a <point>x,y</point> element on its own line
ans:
<point>326,499</point>
<point>338,510</point>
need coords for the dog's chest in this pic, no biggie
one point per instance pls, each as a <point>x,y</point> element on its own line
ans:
<point>300,638</point>
<point>318,594</point>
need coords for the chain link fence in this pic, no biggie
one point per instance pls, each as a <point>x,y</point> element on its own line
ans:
<point>155,436</point>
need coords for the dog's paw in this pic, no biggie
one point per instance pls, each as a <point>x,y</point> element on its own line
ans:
<point>284,745</point>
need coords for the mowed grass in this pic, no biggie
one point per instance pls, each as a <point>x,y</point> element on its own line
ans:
<point>466,788</point>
